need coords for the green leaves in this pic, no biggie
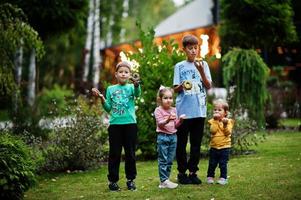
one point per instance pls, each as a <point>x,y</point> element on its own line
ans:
<point>16,167</point>
<point>156,68</point>
<point>14,33</point>
<point>245,71</point>
<point>256,24</point>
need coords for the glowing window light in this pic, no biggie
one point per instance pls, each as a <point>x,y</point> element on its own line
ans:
<point>218,55</point>
<point>123,57</point>
<point>204,46</point>
<point>134,63</point>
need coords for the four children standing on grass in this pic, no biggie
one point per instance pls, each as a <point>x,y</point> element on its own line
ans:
<point>191,80</point>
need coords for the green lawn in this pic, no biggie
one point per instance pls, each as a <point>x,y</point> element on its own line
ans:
<point>291,122</point>
<point>273,173</point>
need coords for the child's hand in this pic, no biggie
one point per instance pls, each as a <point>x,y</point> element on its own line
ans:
<point>198,65</point>
<point>182,117</point>
<point>95,92</point>
<point>216,116</point>
<point>225,121</point>
<point>135,79</point>
<point>172,116</point>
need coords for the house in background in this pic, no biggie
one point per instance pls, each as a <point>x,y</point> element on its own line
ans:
<point>200,18</point>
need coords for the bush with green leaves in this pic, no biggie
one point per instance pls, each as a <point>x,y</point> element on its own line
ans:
<point>17,169</point>
<point>245,72</point>
<point>156,67</point>
<point>52,102</point>
<point>82,143</point>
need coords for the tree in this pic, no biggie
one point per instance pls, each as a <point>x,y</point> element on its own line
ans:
<point>15,33</point>
<point>119,17</point>
<point>256,24</point>
<point>49,18</point>
<point>250,24</point>
<point>246,72</point>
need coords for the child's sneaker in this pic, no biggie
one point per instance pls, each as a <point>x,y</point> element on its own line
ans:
<point>168,184</point>
<point>131,185</point>
<point>114,186</point>
<point>222,181</point>
<point>183,179</point>
<point>194,179</point>
<point>210,180</point>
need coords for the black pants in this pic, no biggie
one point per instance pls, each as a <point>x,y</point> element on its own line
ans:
<point>218,157</point>
<point>125,136</point>
<point>194,128</point>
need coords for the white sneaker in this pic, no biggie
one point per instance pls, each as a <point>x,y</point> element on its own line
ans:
<point>210,180</point>
<point>168,184</point>
<point>222,181</point>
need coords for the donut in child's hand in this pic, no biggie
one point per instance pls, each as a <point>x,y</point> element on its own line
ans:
<point>187,85</point>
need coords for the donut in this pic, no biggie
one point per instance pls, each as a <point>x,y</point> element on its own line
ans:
<point>187,85</point>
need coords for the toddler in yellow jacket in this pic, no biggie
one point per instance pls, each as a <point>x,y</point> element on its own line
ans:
<point>220,143</point>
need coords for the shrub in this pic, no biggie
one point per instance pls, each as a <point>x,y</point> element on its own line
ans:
<point>17,169</point>
<point>82,144</point>
<point>246,73</point>
<point>155,68</point>
<point>52,102</point>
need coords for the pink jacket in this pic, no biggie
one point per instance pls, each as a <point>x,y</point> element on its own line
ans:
<point>161,116</point>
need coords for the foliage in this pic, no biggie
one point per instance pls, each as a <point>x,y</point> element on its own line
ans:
<point>17,169</point>
<point>52,101</point>
<point>155,68</point>
<point>80,144</point>
<point>245,72</point>
<point>53,17</point>
<point>15,32</point>
<point>256,24</point>
<point>124,16</point>
<point>58,69</point>
<point>244,136</point>
<point>26,120</point>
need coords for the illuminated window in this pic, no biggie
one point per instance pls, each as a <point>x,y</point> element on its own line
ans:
<point>204,46</point>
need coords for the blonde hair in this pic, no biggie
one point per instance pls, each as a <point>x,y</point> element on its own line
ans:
<point>223,103</point>
<point>161,92</point>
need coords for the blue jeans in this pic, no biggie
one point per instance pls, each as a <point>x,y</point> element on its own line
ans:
<point>166,146</point>
<point>218,157</point>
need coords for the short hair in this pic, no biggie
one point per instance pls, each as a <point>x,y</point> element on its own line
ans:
<point>161,92</point>
<point>189,40</point>
<point>124,64</point>
<point>223,103</point>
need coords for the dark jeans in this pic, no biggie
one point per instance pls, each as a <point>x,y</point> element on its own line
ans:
<point>220,157</point>
<point>194,128</point>
<point>124,135</point>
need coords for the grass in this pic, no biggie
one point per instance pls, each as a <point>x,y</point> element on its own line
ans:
<point>292,122</point>
<point>274,172</point>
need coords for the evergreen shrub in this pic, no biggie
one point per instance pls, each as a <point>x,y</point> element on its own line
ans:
<point>17,169</point>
